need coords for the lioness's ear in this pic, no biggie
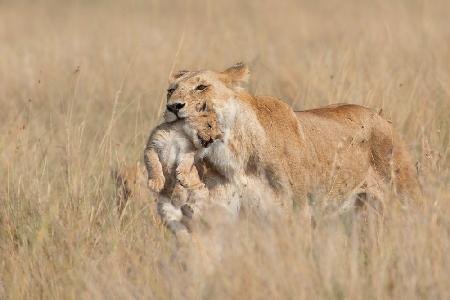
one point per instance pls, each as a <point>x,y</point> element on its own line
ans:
<point>177,75</point>
<point>236,75</point>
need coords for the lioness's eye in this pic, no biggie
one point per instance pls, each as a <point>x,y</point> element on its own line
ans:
<point>209,125</point>
<point>201,87</point>
<point>170,92</point>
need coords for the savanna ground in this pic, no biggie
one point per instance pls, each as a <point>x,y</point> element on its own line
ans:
<point>83,82</point>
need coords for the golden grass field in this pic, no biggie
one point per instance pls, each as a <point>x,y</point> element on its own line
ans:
<point>82,84</point>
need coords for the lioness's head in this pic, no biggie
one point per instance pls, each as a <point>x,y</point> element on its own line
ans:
<point>192,92</point>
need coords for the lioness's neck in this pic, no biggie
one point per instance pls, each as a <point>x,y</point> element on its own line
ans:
<point>242,133</point>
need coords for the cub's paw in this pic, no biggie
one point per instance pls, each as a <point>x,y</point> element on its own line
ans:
<point>187,211</point>
<point>156,184</point>
<point>183,179</point>
<point>179,196</point>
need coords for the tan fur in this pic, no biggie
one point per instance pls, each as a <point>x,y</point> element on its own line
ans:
<point>272,157</point>
<point>323,155</point>
<point>130,182</point>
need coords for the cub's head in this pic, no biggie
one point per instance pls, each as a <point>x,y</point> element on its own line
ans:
<point>203,128</point>
<point>192,92</point>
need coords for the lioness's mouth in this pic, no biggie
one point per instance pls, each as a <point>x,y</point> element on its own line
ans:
<point>176,115</point>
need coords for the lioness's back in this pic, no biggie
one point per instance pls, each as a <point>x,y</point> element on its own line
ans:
<point>341,113</point>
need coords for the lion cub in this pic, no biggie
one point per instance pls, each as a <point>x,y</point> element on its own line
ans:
<point>170,161</point>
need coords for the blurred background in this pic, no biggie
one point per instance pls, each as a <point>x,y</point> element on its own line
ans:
<point>82,83</point>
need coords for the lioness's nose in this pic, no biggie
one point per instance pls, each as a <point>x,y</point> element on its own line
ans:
<point>175,107</point>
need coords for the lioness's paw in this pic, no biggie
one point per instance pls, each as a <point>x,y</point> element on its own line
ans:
<point>156,184</point>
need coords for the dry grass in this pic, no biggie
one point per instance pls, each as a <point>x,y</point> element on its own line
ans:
<point>80,88</point>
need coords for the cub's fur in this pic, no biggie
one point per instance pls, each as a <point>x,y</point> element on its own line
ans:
<point>170,161</point>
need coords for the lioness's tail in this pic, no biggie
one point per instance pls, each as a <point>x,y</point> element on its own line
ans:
<point>391,159</point>
<point>404,170</point>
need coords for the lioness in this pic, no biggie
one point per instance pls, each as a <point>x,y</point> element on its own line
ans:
<point>270,154</point>
<point>170,161</point>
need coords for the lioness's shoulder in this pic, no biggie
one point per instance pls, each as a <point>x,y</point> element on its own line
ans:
<point>269,109</point>
<point>264,104</point>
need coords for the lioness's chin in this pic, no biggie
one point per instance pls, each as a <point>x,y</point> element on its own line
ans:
<point>182,114</point>
<point>169,117</point>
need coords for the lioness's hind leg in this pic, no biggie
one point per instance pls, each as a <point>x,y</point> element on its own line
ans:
<point>370,195</point>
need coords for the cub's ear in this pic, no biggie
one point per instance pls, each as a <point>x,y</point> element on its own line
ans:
<point>176,75</point>
<point>236,75</point>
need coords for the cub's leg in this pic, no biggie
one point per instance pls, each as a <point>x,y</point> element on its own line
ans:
<point>179,195</point>
<point>191,202</point>
<point>187,179</point>
<point>156,178</point>
<point>198,199</point>
<point>187,174</point>
<point>191,189</point>
<point>171,217</point>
